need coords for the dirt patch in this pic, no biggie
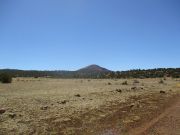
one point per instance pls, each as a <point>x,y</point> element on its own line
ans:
<point>116,118</point>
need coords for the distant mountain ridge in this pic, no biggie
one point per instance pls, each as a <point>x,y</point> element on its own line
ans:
<point>97,72</point>
<point>93,68</point>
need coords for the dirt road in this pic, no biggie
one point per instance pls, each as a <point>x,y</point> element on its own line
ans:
<point>164,121</point>
<point>168,123</point>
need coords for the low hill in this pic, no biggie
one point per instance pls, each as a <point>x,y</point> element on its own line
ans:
<point>93,68</point>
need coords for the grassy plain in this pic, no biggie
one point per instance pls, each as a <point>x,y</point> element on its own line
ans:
<point>81,106</point>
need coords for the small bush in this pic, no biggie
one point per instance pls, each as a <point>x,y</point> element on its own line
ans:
<point>5,78</point>
<point>77,95</point>
<point>119,90</point>
<point>161,81</point>
<point>163,92</point>
<point>125,83</point>
<point>109,83</point>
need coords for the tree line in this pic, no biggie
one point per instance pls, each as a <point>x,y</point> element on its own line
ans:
<point>137,73</point>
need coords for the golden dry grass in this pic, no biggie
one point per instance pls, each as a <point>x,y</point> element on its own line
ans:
<point>42,101</point>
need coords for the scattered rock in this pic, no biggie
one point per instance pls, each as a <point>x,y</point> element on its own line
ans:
<point>12,115</point>
<point>64,102</point>
<point>132,105</point>
<point>127,121</point>
<point>109,83</point>
<point>162,92</point>
<point>77,95</point>
<point>136,118</point>
<point>124,111</point>
<point>119,90</point>
<point>2,110</point>
<point>135,105</point>
<point>44,107</point>
<point>102,115</point>
<point>66,120</point>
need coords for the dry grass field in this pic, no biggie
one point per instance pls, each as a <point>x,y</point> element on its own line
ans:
<point>82,106</point>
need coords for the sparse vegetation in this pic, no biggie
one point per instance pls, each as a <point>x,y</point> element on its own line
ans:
<point>109,83</point>
<point>67,101</point>
<point>125,83</point>
<point>77,95</point>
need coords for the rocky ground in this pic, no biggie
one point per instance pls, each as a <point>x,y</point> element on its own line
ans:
<point>83,106</point>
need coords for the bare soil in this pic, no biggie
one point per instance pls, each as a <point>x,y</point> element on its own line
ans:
<point>168,123</point>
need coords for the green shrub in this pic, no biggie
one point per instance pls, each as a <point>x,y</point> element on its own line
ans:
<point>5,78</point>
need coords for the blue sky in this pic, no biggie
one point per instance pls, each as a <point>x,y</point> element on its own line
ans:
<point>70,34</point>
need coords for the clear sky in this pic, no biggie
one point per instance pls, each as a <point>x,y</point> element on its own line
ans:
<point>70,34</point>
